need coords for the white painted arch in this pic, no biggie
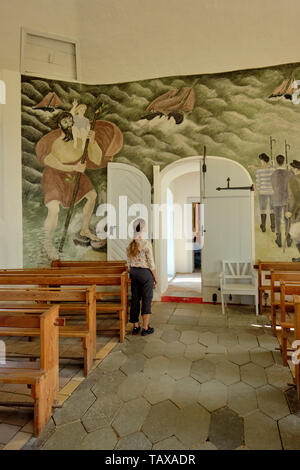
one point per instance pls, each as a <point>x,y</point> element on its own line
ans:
<point>235,206</point>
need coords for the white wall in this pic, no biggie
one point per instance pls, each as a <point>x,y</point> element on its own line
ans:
<point>11,240</point>
<point>124,40</point>
<point>184,187</point>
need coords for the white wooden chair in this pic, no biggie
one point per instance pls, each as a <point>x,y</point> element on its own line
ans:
<point>238,278</point>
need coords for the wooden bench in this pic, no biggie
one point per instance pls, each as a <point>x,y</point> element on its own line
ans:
<point>265,267</point>
<point>94,269</point>
<point>286,289</point>
<point>277,277</point>
<point>42,377</point>
<point>297,338</point>
<point>85,298</point>
<point>69,264</point>
<point>75,279</point>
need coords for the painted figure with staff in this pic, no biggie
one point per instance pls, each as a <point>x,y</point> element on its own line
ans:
<point>64,180</point>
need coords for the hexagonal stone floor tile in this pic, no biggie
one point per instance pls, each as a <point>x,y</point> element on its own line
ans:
<point>171,443</point>
<point>159,390</point>
<point>133,386</point>
<point>66,437</point>
<point>165,413</point>
<point>261,432</point>
<point>133,364</point>
<point>204,446</point>
<point>253,375</point>
<point>227,372</point>
<point>102,439</point>
<point>279,376</point>
<point>101,412</point>
<point>229,340</point>
<point>242,398</point>
<point>216,349</point>
<point>108,383</point>
<point>268,342</point>
<point>156,366</point>
<point>154,348</point>
<point>185,392</point>
<point>203,370</point>
<point>136,441</point>
<point>293,402</point>
<point>272,402</point>
<point>192,424</point>
<point>238,355</point>
<point>226,429</point>
<point>213,395</point>
<point>208,338</point>
<point>247,341</point>
<point>170,335</point>
<point>277,357</point>
<point>261,357</point>
<point>134,346</point>
<point>189,337</point>
<point>174,349</point>
<point>113,361</point>
<point>290,432</point>
<point>183,320</point>
<point>195,351</point>
<point>74,407</point>
<point>131,416</point>
<point>179,367</point>
<point>187,312</point>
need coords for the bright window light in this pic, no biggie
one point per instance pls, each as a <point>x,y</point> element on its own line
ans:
<point>2,92</point>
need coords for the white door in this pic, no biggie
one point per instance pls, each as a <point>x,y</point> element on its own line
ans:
<point>228,233</point>
<point>129,193</point>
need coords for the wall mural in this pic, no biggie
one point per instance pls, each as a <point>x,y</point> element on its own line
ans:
<point>71,130</point>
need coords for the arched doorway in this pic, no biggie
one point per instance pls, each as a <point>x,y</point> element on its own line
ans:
<point>228,217</point>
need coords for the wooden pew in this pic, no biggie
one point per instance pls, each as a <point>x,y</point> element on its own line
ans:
<point>94,269</point>
<point>57,280</point>
<point>42,377</point>
<point>266,267</point>
<point>84,297</point>
<point>297,338</point>
<point>276,277</point>
<point>69,264</point>
<point>286,324</point>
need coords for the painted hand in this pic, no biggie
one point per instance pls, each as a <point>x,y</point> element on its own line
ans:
<point>288,215</point>
<point>80,167</point>
<point>91,136</point>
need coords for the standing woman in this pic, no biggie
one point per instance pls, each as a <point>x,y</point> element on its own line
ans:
<point>143,278</point>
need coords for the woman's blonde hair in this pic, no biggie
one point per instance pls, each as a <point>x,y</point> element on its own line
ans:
<point>133,248</point>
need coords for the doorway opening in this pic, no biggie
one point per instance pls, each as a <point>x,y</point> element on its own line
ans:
<point>196,240</point>
<point>183,249</point>
<point>227,216</point>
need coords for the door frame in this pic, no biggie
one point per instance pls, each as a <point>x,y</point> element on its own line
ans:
<point>161,180</point>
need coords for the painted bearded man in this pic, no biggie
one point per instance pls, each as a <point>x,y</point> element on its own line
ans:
<point>56,152</point>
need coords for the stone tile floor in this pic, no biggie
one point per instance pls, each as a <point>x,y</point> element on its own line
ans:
<point>16,424</point>
<point>201,381</point>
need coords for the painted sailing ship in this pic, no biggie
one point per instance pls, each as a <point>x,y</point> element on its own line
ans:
<point>286,88</point>
<point>173,103</point>
<point>49,103</point>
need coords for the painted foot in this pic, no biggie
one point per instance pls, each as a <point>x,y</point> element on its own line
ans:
<point>89,234</point>
<point>51,251</point>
